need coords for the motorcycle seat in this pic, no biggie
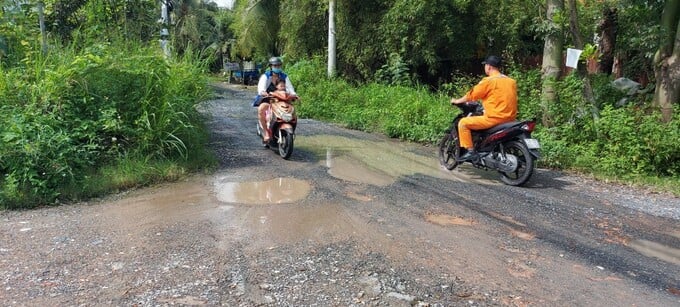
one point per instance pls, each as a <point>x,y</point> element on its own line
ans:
<point>500,127</point>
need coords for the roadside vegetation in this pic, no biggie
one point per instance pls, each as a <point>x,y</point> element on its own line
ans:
<point>89,103</point>
<point>82,123</point>
<point>628,144</point>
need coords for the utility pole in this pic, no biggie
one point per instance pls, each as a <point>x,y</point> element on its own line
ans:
<point>165,20</point>
<point>43,32</point>
<point>331,38</point>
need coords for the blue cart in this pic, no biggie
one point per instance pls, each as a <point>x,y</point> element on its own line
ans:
<point>247,73</point>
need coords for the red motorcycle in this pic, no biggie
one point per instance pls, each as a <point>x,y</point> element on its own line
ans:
<point>281,122</point>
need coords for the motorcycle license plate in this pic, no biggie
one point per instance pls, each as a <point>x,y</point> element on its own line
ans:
<point>532,143</point>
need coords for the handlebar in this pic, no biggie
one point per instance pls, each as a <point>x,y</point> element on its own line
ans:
<point>473,107</point>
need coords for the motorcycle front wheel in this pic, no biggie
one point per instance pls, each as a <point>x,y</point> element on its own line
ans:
<point>449,150</point>
<point>286,144</point>
<point>525,164</point>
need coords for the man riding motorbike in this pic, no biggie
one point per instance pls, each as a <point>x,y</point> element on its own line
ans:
<point>267,84</point>
<point>498,93</point>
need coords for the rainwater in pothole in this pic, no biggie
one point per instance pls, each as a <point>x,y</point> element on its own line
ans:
<point>159,205</point>
<point>370,162</point>
<point>274,191</point>
<point>656,250</point>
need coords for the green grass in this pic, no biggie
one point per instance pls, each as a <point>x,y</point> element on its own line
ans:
<point>136,172</point>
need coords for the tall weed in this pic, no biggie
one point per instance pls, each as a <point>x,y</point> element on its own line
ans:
<point>71,113</point>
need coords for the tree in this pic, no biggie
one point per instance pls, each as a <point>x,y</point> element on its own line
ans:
<point>431,37</point>
<point>667,60</point>
<point>23,27</point>
<point>552,57</point>
<point>102,19</point>
<point>63,18</point>
<point>359,39</point>
<point>304,28</point>
<point>508,27</point>
<point>607,30</point>
<point>196,26</point>
<point>257,28</point>
<point>579,44</point>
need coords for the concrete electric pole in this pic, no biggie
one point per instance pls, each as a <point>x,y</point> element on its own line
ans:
<point>331,38</point>
<point>165,20</point>
<point>43,32</point>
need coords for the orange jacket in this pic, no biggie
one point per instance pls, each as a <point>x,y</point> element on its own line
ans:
<point>498,93</point>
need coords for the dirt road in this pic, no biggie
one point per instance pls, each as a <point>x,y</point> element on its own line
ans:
<point>352,219</point>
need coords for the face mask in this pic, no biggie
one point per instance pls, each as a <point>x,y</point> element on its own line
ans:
<point>277,70</point>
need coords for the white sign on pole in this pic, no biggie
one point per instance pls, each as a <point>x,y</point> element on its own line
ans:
<point>572,57</point>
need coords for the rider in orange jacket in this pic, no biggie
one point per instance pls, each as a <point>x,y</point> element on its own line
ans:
<point>498,93</point>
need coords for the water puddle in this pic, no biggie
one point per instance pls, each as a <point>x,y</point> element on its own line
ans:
<point>446,220</point>
<point>163,204</point>
<point>675,234</point>
<point>350,169</point>
<point>275,191</point>
<point>657,250</point>
<point>370,162</point>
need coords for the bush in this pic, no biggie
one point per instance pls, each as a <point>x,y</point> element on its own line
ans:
<point>72,113</point>
<point>633,143</point>
<point>623,142</point>
<point>397,111</point>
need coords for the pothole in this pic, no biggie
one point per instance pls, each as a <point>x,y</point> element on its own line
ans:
<point>657,250</point>
<point>275,191</point>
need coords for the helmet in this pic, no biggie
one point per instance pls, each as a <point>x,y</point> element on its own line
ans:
<point>275,61</point>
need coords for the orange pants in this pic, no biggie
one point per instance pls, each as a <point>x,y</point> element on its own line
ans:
<point>466,124</point>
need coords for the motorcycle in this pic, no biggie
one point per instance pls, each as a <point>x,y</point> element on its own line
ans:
<point>507,148</point>
<point>281,122</point>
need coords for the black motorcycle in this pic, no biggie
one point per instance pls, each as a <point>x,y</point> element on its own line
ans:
<point>507,148</point>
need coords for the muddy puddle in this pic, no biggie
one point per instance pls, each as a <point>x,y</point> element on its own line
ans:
<point>656,250</point>
<point>163,204</point>
<point>369,162</point>
<point>274,191</point>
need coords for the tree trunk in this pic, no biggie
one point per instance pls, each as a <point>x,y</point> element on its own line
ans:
<point>607,28</point>
<point>578,42</point>
<point>667,62</point>
<point>552,61</point>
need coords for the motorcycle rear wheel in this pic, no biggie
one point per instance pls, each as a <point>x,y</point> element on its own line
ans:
<point>525,164</point>
<point>449,150</point>
<point>286,144</point>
